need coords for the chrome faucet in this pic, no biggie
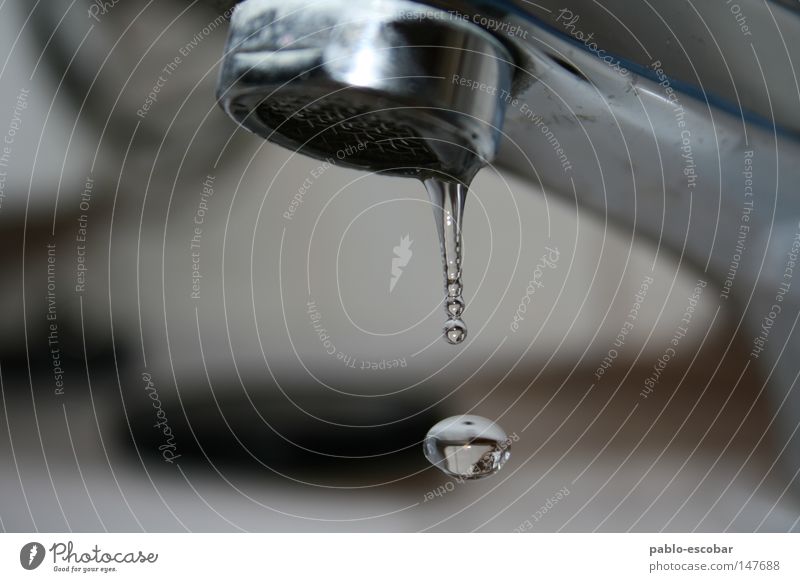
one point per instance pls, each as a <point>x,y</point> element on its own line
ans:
<point>682,131</point>
<point>374,76</point>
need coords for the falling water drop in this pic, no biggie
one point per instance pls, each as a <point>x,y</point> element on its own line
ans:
<point>448,199</point>
<point>467,446</point>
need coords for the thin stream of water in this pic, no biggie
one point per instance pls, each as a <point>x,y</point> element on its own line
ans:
<point>448,198</point>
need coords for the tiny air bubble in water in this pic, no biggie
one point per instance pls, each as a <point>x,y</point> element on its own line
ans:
<point>467,446</point>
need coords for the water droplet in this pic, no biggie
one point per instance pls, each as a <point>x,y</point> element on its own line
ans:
<point>455,331</point>
<point>467,446</point>
<point>448,198</point>
<point>454,289</point>
<point>455,307</point>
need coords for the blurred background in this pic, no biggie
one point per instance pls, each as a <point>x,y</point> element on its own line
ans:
<point>200,332</point>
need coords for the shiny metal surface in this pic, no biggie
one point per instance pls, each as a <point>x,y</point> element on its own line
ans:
<point>366,85</point>
<point>651,116</point>
<point>693,149</point>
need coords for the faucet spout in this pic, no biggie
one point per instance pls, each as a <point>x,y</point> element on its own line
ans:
<point>395,87</point>
<point>563,97</point>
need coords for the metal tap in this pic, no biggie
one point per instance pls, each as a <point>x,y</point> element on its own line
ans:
<point>681,131</point>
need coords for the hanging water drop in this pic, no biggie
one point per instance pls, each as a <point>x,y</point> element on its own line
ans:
<point>455,307</point>
<point>455,331</point>
<point>448,198</point>
<point>467,446</point>
<point>454,289</point>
